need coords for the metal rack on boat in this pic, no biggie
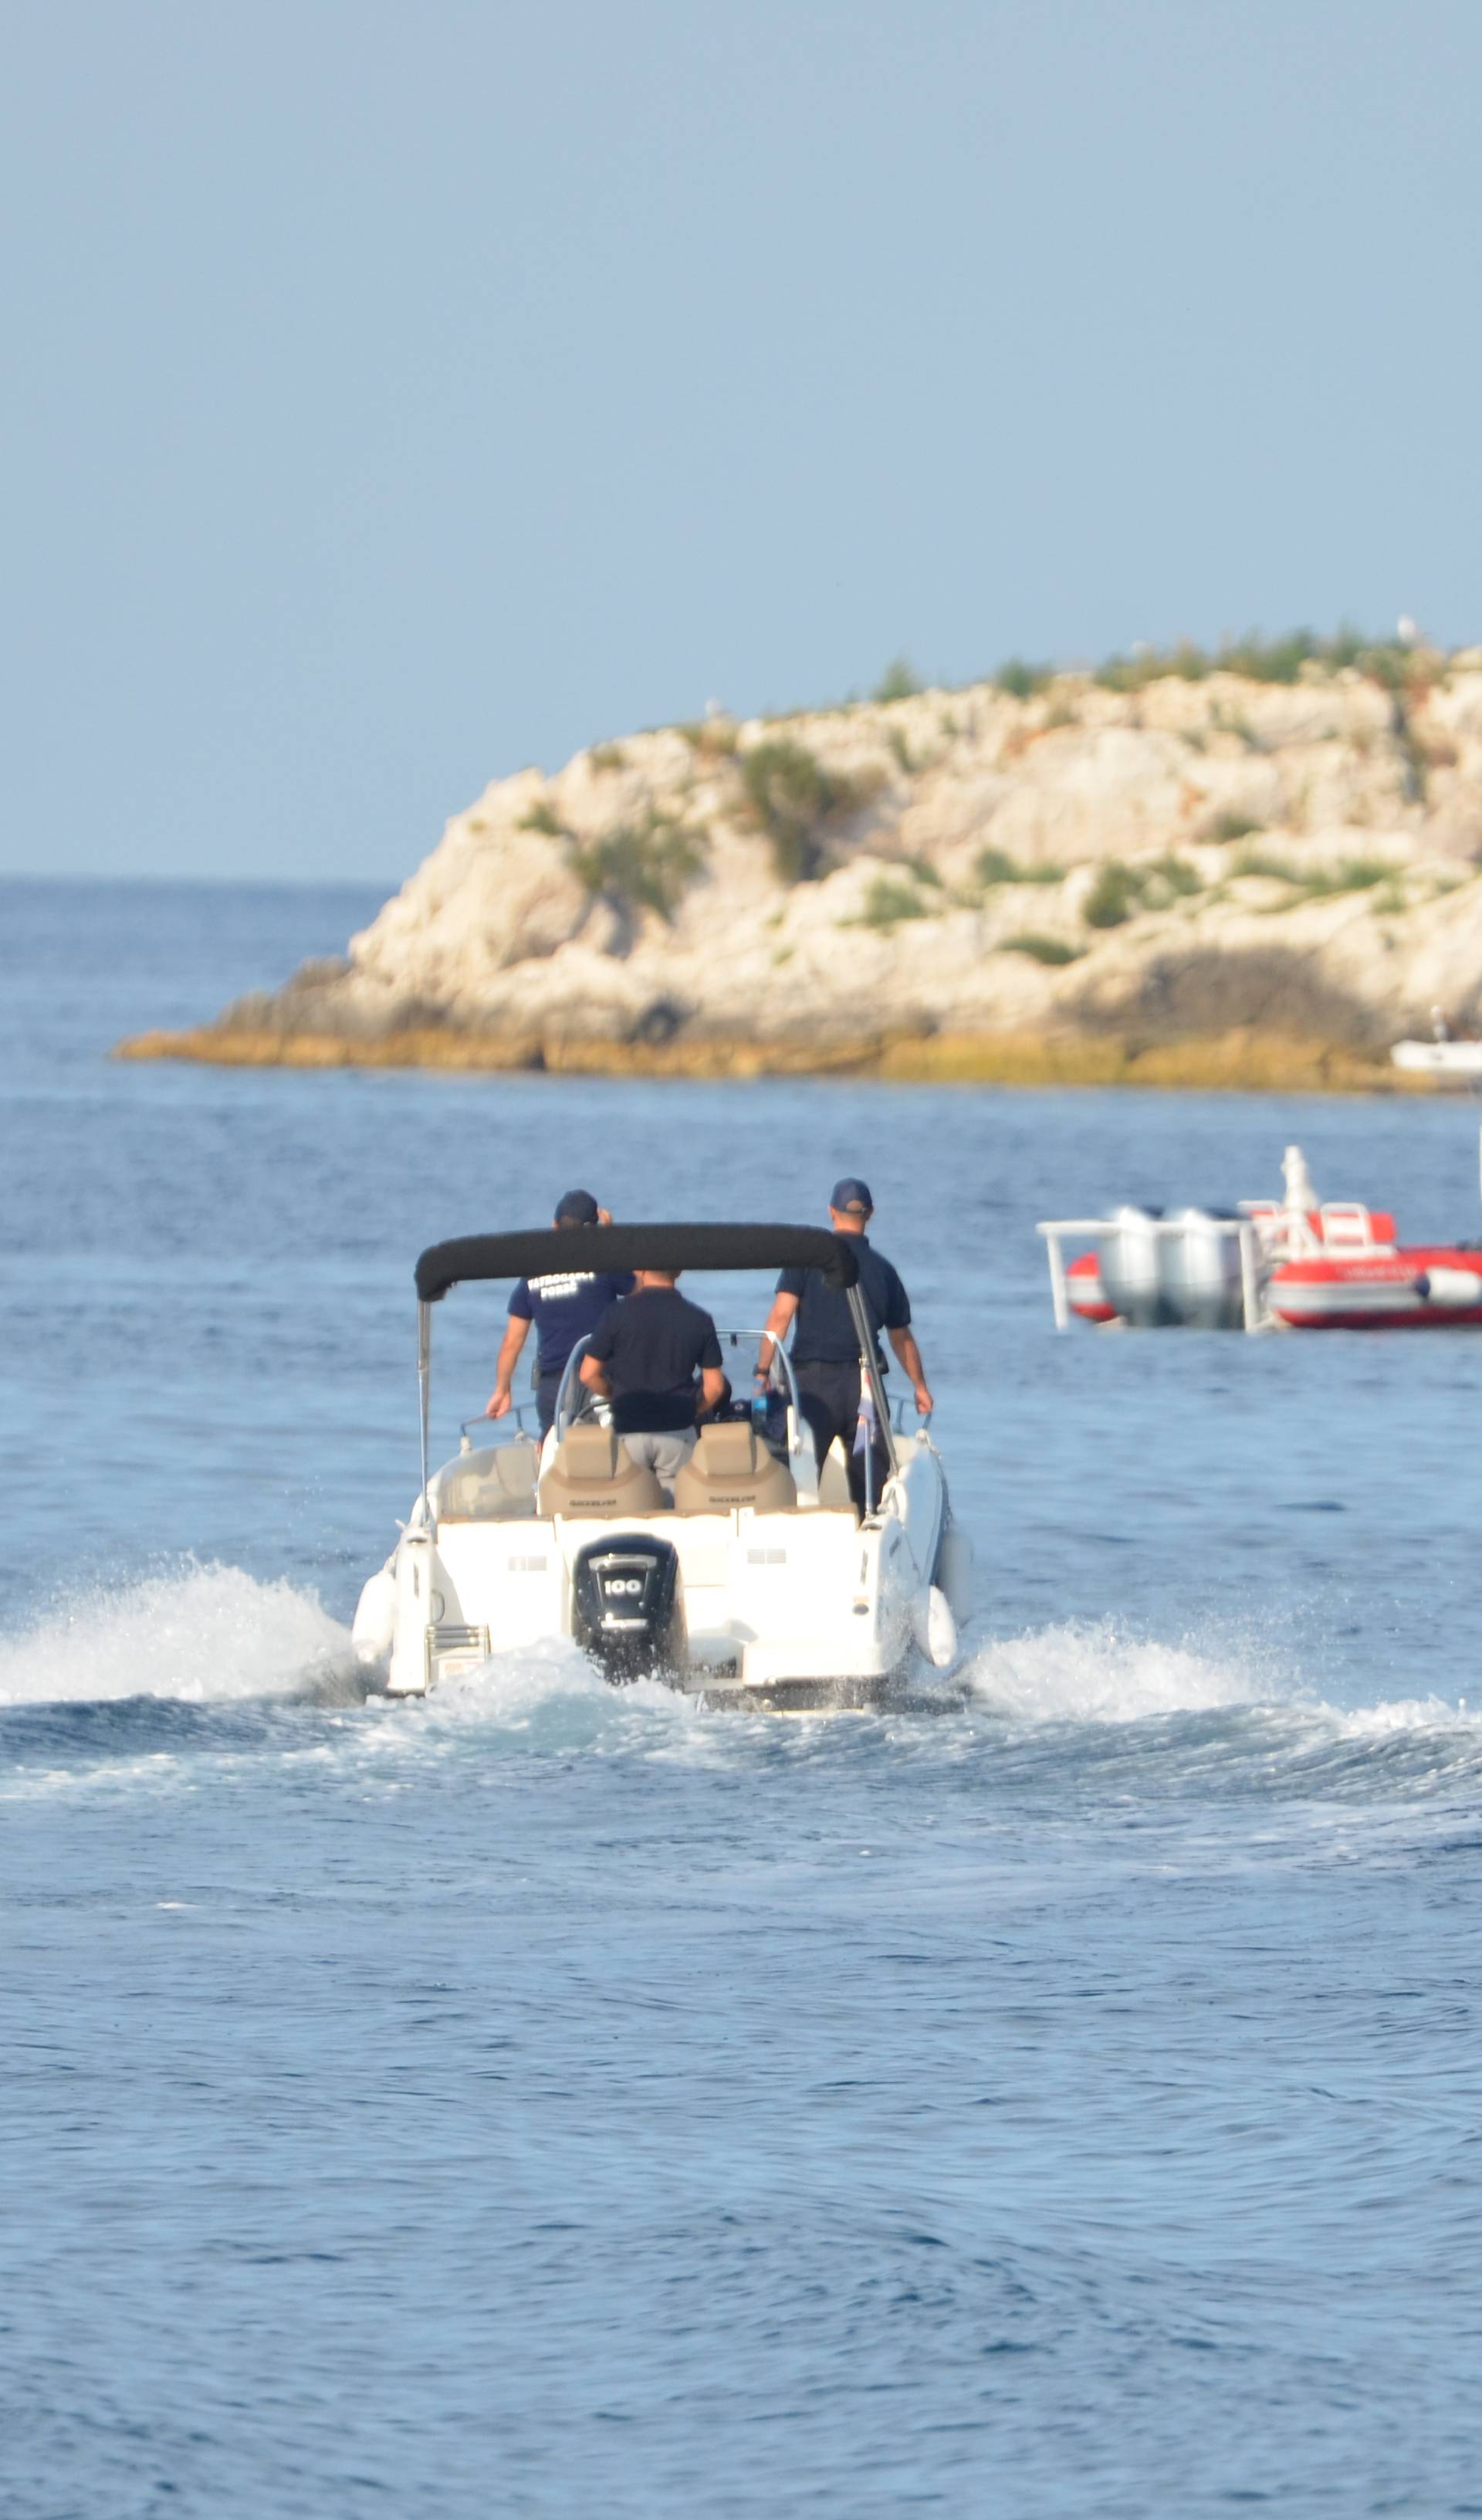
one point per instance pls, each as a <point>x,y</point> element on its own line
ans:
<point>1161,1295</point>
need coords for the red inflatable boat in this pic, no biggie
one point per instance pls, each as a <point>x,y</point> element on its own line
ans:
<point>1422,1286</point>
<point>1321,1267</point>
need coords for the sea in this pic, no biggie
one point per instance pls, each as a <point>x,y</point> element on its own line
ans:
<point>550,2099</point>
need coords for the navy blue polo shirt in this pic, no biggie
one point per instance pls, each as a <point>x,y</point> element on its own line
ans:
<point>564,1307</point>
<point>652,1348</point>
<point>824,1333</point>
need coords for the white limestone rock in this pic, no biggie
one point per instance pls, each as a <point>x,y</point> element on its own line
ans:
<point>636,896</point>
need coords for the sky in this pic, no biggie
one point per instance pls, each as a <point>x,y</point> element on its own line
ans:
<point>396,396</point>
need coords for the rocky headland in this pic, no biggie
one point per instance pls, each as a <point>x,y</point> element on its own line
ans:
<point>1256,868</point>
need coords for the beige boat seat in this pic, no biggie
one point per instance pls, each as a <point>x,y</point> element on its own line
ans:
<point>833,1480</point>
<point>594,1473</point>
<point>494,1485</point>
<point>731,1467</point>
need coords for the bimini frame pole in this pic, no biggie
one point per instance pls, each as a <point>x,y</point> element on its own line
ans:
<point>871,1373</point>
<point>1060,1295</point>
<point>425,1391</point>
<point>1250,1276</point>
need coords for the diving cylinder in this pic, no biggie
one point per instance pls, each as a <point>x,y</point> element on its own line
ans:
<point>1132,1267</point>
<point>1202,1271</point>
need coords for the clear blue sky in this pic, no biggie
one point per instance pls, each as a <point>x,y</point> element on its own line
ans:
<point>396,396</point>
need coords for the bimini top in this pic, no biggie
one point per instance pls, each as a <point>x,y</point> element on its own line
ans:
<point>555,1251</point>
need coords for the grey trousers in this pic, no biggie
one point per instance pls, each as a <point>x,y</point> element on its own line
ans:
<point>665,1455</point>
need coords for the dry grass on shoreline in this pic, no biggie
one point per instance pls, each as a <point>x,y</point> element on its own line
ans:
<point>1241,1062</point>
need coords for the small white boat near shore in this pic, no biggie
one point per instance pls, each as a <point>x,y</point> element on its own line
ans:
<point>1450,1062</point>
<point>761,1582</point>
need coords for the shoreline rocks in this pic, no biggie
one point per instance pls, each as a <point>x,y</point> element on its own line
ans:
<point>1241,1061</point>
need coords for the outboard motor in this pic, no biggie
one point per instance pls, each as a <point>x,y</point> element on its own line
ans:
<point>626,1605</point>
<point>1202,1283</point>
<point>1131,1268</point>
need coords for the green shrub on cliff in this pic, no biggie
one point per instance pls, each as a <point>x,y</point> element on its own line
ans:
<point>715,737</point>
<point>647,864</point>
<point>1154,665</point>
<point>1022,682</point>
<point>1168,878</point>
<point>1273,660</point>
<point>897,682</point>
<point>1314,883</point>
<point>791,795</point>
<point>1261,862</point>
<point>1113,897</point>
<point>995,866</point>
<point>1120,891</point>
<point>887,903</point>
<point>1051,950</point>
<point>1350,874</point>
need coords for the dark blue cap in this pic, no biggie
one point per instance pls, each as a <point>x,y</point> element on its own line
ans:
<point>849,1192</point>
<point>579,1207</point>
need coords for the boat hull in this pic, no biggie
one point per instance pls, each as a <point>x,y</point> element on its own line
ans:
<point>1425,1287</point>
<point>802,1606</point>
<point>1457,1063</point>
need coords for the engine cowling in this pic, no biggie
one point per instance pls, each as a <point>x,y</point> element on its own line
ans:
<point>627,1605</point>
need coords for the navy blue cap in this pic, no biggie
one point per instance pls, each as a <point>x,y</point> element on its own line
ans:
<point>849,1192</point>
<point>579,1207</point>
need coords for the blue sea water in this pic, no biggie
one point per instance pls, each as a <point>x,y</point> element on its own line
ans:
<point>550,2100</point>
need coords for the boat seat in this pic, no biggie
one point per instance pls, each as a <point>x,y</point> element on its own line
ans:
<point>731,1467</point>
<point>594,1473</point>
<point>494,1485</point>
<point>834,1479</point>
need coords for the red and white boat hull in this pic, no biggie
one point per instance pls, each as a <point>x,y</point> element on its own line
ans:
<point>1433,1287</point>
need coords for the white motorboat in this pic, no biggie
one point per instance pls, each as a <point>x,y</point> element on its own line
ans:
<point>761,1582</point>
<point>1454,1063</point>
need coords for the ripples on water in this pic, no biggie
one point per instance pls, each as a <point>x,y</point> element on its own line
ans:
<point>550,2099</point>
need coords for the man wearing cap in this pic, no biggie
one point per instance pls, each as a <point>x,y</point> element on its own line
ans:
<point>826,1358</point>
<point>564,1306</point>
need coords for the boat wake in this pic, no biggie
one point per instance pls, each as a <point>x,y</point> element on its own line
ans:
<point>1080,1674</point>
<point>1191,1717</point>
<point>1154,1723</point>
<point>201,1636</point>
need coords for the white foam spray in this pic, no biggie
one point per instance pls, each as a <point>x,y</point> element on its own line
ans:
<point>1096,1673</point>
<point>204,1634</point>
<point>1099,1674</point>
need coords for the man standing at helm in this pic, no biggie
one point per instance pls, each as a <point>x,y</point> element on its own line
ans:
<point>825,1357</point>
<point>564,1306</point>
